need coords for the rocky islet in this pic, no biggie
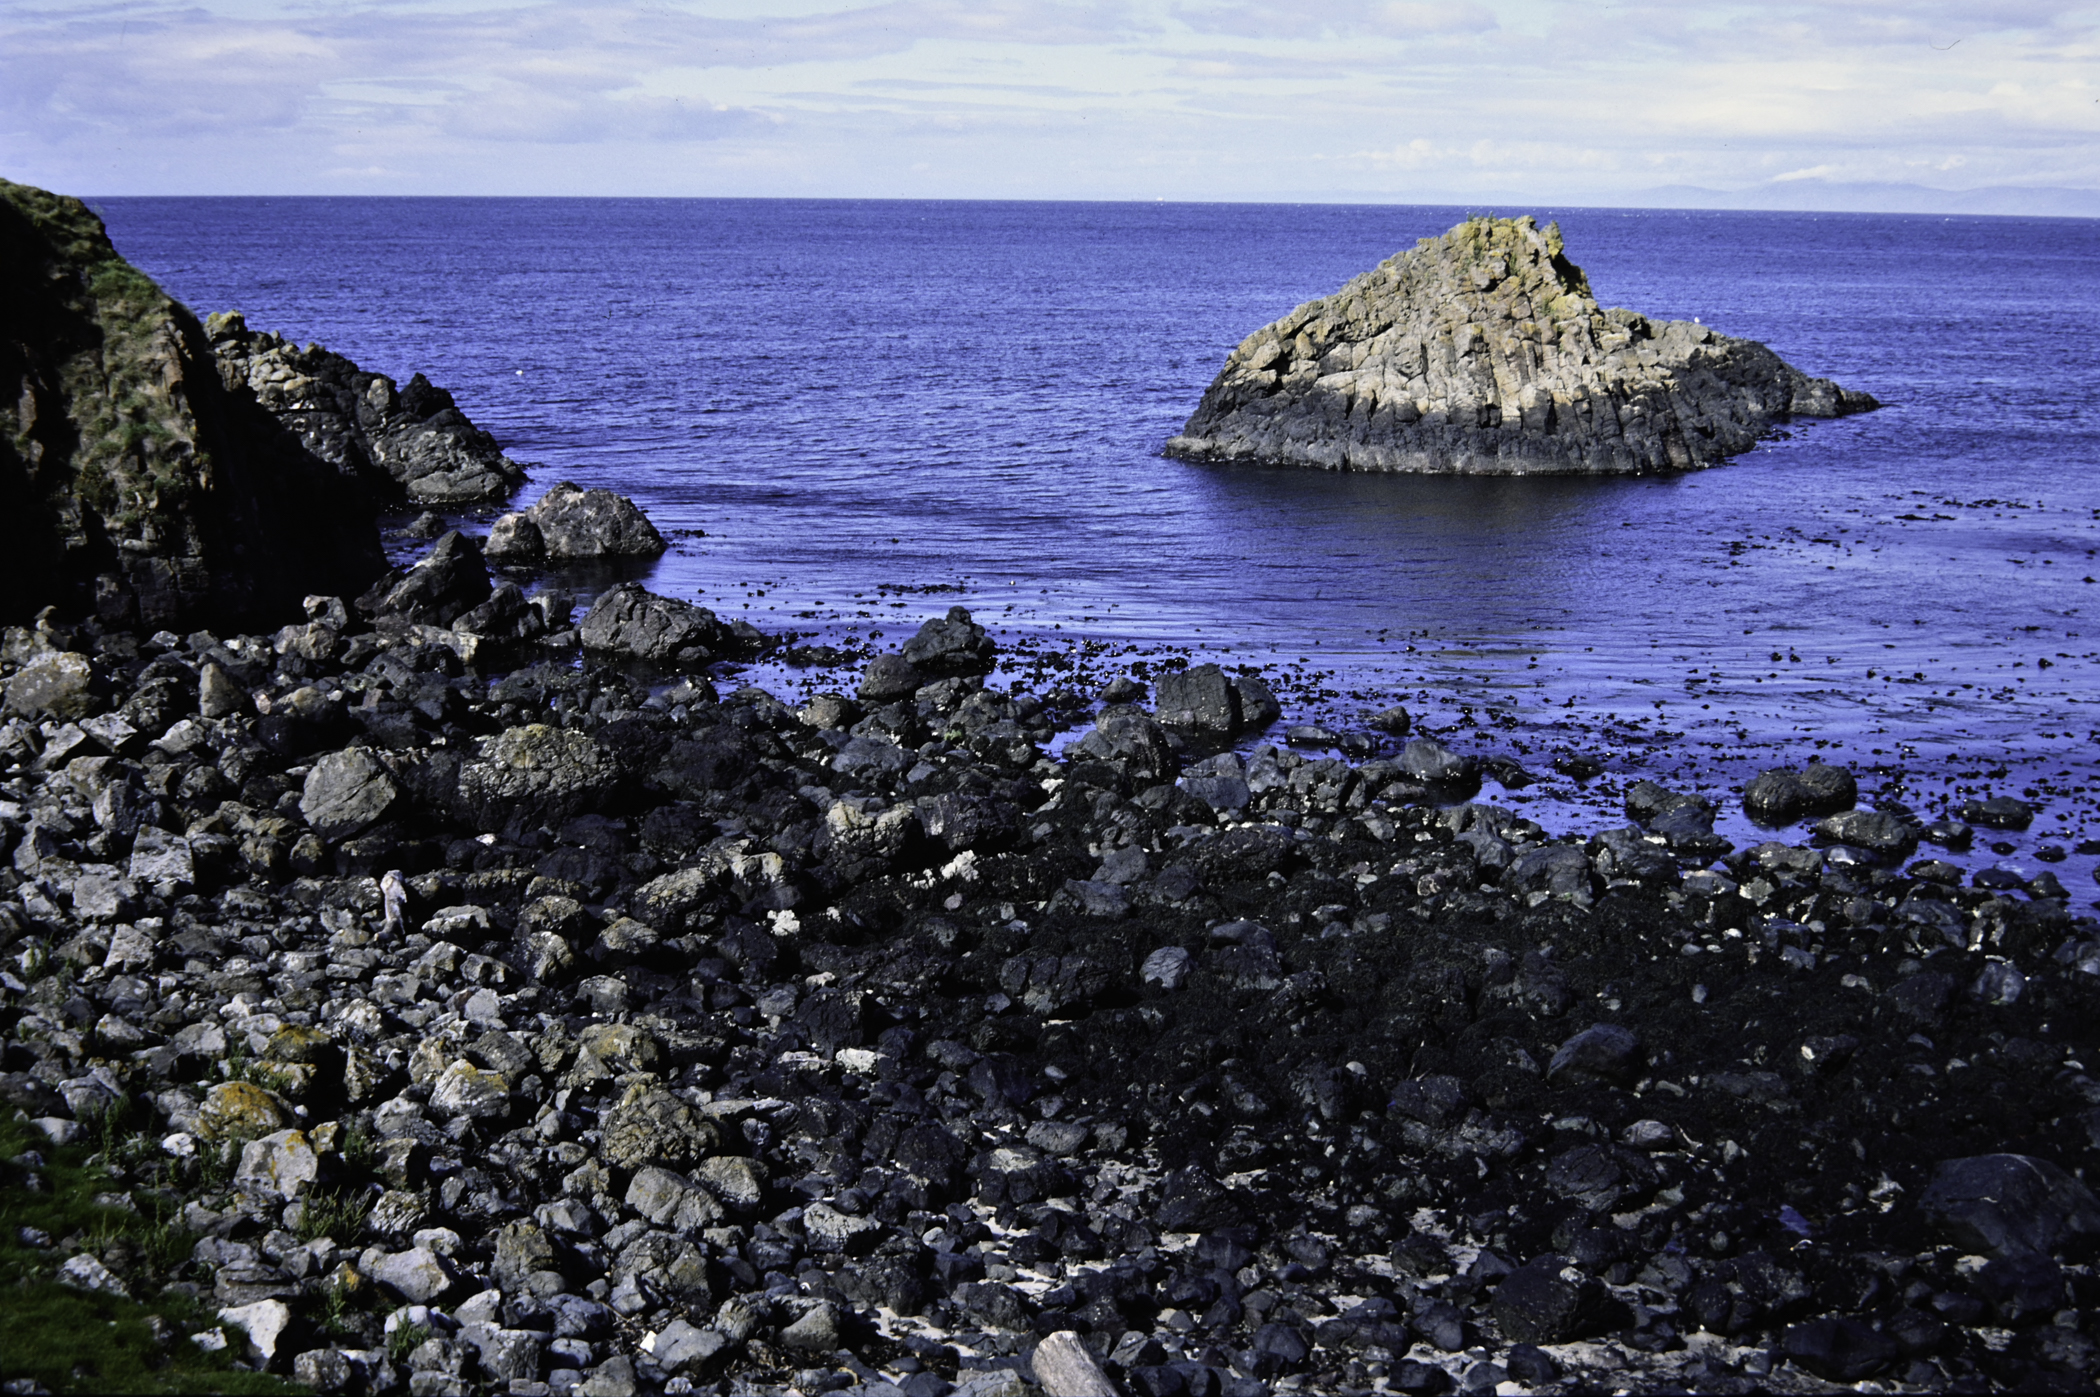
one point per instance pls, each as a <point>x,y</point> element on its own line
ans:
<point>1483,352</point>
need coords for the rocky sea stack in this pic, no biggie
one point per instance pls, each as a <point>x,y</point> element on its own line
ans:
<point>1483,353</point>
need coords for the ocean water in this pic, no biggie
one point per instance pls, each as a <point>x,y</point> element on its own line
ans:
<point>872,410</point>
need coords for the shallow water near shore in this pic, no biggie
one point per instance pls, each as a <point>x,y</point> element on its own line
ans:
<point>856,402</point>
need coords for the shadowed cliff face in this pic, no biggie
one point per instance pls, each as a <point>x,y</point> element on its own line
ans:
<point>132,483</point>
<point>1483,353</point>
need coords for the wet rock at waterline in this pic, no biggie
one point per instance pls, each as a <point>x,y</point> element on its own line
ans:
<point>569,523</point>
<point>400,443</point>
<point>1483,353</point>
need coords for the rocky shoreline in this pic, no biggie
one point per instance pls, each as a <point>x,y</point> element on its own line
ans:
<point>1483,352</point>
<point>476,1019</point>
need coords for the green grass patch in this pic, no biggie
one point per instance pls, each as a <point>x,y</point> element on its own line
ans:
<point>72,1341</point>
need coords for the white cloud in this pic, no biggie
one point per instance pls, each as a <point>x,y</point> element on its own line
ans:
<point>1410,99</point>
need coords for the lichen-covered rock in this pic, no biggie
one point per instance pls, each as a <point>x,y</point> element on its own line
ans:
<point>651,1126</point>
<point>569,522</point>
<point>142,487</point>
<point>1483,353</point>
<point>411,443</point>
<point>282,1164</point>
<point>238,1111</point>
<point>536,775</point>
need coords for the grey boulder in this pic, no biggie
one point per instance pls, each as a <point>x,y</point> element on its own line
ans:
<point>347,793</point>
<point>634,624</point>
<point>569,522</point>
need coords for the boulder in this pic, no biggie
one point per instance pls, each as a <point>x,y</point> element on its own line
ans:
<point>568,523</point>
<point>346,793</point>
<point>1540,1304</point>
<point>1785,794</point>
<point>1604,1052</point>
<point>651,1126</point>
<point>448,582</point>
<point>1430,762</point>
<point>59,686</point>
<point>631,623</point>
<point>536,776</point>
<point>505,616</point>
<point>282,1165</point>
<point>953,644</point>
<point>1483,353</point>
<point>889,678</point>
<point>1128,737</point>
<point>1840,1350</point>
<point>262,1324</point>
<point>1200,699</point>
<point>1877,831</point>
<point>2009,1204</point>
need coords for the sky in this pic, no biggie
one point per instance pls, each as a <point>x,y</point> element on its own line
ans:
<point>1832,104</point>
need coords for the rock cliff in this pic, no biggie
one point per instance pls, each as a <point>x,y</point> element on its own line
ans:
<point>132,482</point>
<point>409,443</point>
<point>1483,352</point>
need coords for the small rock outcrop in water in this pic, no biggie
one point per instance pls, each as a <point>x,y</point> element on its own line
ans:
<point>410,443</point>
<point>132,484</point>
<point>1483,353</point>
<point>569,522</point>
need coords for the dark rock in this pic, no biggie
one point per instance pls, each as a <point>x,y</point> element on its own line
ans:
<point>1877,831</point>
<point>631,623</point>
<point>1552,868</point>
<point>1531,1365</point>
<point>186,504</point>
<point>890,677</point>
<point>1535,1304</point>
<point>1192,1201</point>
<point>1200,699</point>
<point>1433,764</point>
<point>536,776</point>
<point>412,443</point>
<point>1830,789</point>
<point>2005,1205</point>
<point>1604,1052</point>
<point>1131,740</point>
<point>1840,1350</point>
<point>449,581</point>
<point>1922,997</point>
<point>953,644</point>
<point>1998,812</point>
<point>2021,1286</point>
<point>347,793</point>
<point>1395,720</point>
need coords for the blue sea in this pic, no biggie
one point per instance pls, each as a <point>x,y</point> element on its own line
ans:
<point>853,402</point>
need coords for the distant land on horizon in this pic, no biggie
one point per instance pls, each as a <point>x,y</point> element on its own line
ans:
<point>1788,196</point>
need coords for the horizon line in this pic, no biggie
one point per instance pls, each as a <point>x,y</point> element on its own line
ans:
<point>1471,206</point>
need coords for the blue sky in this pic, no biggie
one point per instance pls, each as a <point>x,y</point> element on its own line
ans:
<point>1416,102</point>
